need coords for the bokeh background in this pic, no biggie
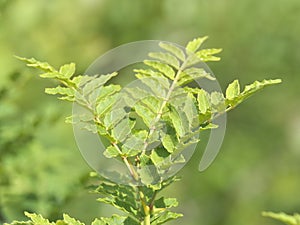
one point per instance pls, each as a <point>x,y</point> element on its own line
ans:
<point>258,167</point>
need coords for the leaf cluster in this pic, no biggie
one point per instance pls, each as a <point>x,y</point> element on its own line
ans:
<point>149,125</point>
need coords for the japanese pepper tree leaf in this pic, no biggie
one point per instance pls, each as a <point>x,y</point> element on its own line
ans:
<point>97,82</point>
<point>165,203</point>
<point>283,217</point>
<point>65,92</point>
<point>165,217</point>
<point>114,220</point>
<point>203,101</point>
<point>111,152</point>
<point>166,58</point>
<point>161,67</point>
<point>235,99</point>
<point>176,51</point>
<point>207,55</point>
<point>195,44</point>
<point>32,62</point>
<point>68,70</point>
<point>233,90</point>
<point>71,221</point>
<point>258,85</point>
<point>38,219</point>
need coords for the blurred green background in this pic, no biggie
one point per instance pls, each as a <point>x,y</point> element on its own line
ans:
<point>258,167</point>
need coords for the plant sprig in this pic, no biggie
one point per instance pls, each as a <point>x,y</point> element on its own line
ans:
<point>172,114</point>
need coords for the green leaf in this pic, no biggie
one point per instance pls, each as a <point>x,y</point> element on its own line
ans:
<point>165,203</point>
<point>209,126</point>
<point>71,221</point>
<point>150,74</point>
<point>44,66</point>
<point>121,130</point>
<point>19,223</point>
<point>191,110</point>
<point>176,51</point>
<point>207,55</point>
<point>192,74</point>
<point>285,218</point>
<point>195,73</point>
<point>217,101</point>
<point>97,82</point>
<point>38,219</point>
<point>67,93</point>
<point>67,70</point>
<point>111,152</point>
<point>135,143</point>
<point>81,80</point>
<point>258,85</point>
<point>161,67</point>
<point>165,217</point>
<point>179,120</point>
<point>147,115</point>
<point>114,220</point>
<point>195,44</point>
<point>250,90</point>
<point>157,87</point>
<point>148,172</point>
<point>169,142</point>
<point>120,196</point>
<point>233,90</point>
<point>166,58</point>
<point>105,105</point>
<point>203,101</point>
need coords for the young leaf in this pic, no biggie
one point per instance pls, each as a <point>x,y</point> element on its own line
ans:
<point>97,82</point>
<point>258,85</point>
<point>44,66</point>
<point>166,58</point>
<point>38,219</point>
<point>285,218</point>
<point>67,93</point>
<point>111,152</point>
<point>218,101</point>
<point>165,217</point>
<point>161,67</point>
<point>207,55</point>
<point>179,121</point>
<point>71,221</point>
<point>195,44</point>
<point>150,74</point>
<point>169,143</point>
<point>67,70</point>
<point>233,90</point>
<point>176,51</point>
<point>203,101</point>
<point>165,203</point>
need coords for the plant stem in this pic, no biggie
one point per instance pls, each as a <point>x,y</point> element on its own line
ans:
<point>147,220</point>
<point>164,103</point>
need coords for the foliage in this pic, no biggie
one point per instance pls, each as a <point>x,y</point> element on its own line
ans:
<point>285,218</point>
<point>163,100</point>
<point>67,220</point>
